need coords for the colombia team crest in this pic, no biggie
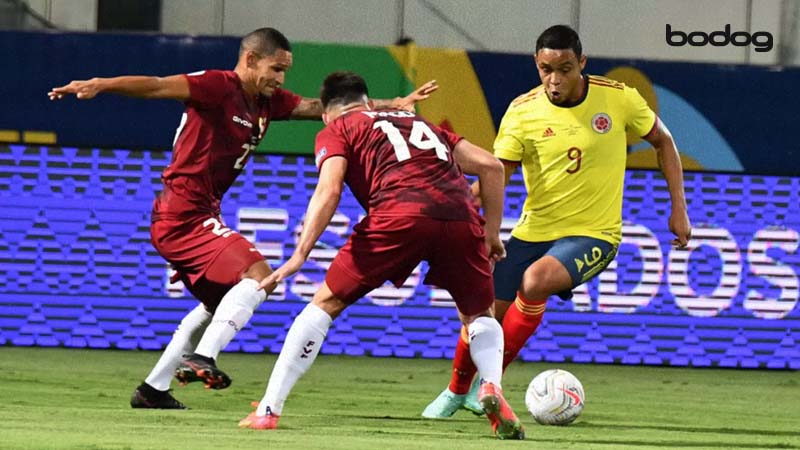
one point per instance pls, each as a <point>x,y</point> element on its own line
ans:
<point>601,123</point>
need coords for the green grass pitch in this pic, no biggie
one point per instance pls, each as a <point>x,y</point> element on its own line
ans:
<point>78,399</point>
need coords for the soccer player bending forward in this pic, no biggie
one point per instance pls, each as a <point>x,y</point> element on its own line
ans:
<point>569,136</point>
<point>407,174</point>
<point>227,114</point>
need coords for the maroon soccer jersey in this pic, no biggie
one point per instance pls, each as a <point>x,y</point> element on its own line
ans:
<point>219,129</point>
<point>398,164</point>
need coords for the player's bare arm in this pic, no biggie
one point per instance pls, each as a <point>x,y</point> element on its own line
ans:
<point>320,211</point>
<point>308,109</point>
<point>311,108</point>
<point>409,101</point>
<point>670,164</point>
<point>509,167</point>
<point>172,87</point>
<point>476,161</point>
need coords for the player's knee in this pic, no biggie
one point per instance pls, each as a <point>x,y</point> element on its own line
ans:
<point>535,285</point>
<point>484,325</point>
<point>257,271</point>
<point>542,280</point>
<point>332,305</point>
<point>467,319</point>
<point>328,302</point>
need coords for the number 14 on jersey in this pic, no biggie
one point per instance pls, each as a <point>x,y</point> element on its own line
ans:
<point>421,137</point>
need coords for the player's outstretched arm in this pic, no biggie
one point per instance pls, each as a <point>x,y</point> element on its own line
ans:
<point>476,161</point>
<point>409,101</point>
<point>670,164</point>
<point>311,108</point>
<point>320,211</point>
<point>172,87</point>
<point>308,109</point>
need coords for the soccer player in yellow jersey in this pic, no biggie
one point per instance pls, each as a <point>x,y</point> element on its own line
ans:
<point>569,135</point>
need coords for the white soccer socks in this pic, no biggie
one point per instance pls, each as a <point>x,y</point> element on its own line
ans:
<point>486,348</point>
<point>299,351</point>
<point>183,341</point>
<point>234,311</point>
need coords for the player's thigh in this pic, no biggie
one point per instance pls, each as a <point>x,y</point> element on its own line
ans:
<point>380,249</point>
<point>226,271</point>
<point>508,273</point>
<point>191,245</point>
<point>235,261</point>
<point>582,257</point>
<point>459,264</point>
<point>209,262</point>
<point>546,276</point>
<point>207,292</point>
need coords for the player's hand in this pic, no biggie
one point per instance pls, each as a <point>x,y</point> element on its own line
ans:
<point>495,248</point>
<point>82,89</point>
<point>288,269</point>
<point>681,227</point>
<point>421,93</point>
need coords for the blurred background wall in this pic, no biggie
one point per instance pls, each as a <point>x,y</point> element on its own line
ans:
<point>610,28</point>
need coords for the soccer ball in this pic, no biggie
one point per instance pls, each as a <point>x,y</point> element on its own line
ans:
<point>555,397</point>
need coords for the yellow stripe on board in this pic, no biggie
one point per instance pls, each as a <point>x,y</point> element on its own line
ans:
<point>9,136</point>
<point>38,137</point>
<point>459,104</point>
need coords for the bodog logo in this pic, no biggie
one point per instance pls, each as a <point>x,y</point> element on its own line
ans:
<point>761,40</point>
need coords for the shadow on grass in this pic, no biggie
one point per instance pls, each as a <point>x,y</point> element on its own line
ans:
<point>688,429</point>
<point>538,434</point>
<point>666,444</point>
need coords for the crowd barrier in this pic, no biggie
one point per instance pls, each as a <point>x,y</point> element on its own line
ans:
<point>78,269</point>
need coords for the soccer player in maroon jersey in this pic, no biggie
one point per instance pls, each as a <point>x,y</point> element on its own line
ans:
<point>407,174</point>
<point>227,113</point>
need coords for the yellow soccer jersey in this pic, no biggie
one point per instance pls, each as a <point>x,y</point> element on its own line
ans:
<point>573,159</point>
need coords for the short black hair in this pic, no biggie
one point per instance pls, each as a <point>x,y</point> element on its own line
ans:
<point>343,88</point>
<point>265,41</point>
<point>560,37</point>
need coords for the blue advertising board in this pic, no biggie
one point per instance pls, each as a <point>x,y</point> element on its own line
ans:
<point>78,269</point>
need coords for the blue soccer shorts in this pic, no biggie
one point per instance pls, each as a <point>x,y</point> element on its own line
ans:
<point>583,257</point>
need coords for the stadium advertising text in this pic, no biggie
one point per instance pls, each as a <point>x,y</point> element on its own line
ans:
<point>650,270</point>
<point>761,40</point>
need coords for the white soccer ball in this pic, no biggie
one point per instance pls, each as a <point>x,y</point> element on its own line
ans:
<point>555,397</point>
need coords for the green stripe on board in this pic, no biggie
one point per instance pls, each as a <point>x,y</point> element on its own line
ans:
<point>312,62</point>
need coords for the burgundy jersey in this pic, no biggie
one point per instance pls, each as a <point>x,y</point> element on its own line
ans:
<point>398,164</point>
<point>219,129</point>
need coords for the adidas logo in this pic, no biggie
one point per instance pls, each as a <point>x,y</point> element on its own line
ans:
<point>548,132</point>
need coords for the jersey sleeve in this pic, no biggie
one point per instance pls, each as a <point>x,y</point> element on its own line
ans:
<point>450,138</point>
<point>282,103</point>
<point>330,142</point>
<point>207,88</point>
<point>641,118</point>
<point>508,143</point>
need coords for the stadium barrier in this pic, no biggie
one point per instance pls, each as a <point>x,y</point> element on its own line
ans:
<point>78,269</point>
<point>712,129</point>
